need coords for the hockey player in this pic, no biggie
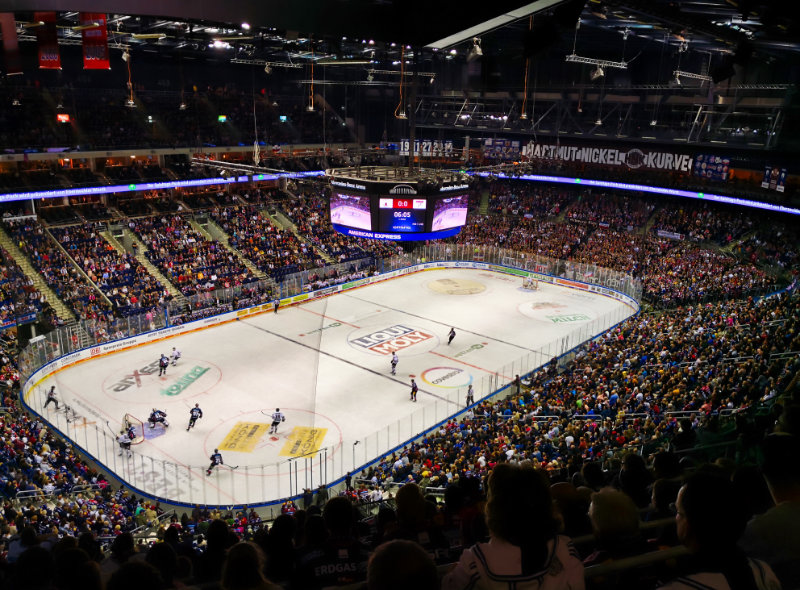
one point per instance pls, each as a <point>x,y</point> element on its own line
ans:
<point>194,414</point>
<point>275,305</point>
<point>451,335</point>
<point>130,430</point>
<point>216,459</point>
<point>157,416</point>
<point>394,361</point>
<point>470,395</point>
<point>277,418</point>
<point>124,442</point>
<point>414,390</point>
<point>163,363</point>
<point>176,355</point>
<point>51,398</point>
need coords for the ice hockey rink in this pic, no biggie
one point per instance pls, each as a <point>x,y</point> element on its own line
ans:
<point>326,365</point>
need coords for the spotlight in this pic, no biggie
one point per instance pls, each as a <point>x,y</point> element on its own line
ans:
<point>15,102</point>
<point>598,73</point>
<point>126,55</point>
<point>401,115</point>
<point>524,116</point>
<point>598,122</point>
<point>182,106</point>
<point>130,104</point>
<point>476,50</point>
<point>267,69</point>
<point>653,123</point>
<point>432,79</point>
<point>310,108</point>
<point>370,76</point>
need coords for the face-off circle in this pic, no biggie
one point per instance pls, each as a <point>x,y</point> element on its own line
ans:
<point>557,312</point>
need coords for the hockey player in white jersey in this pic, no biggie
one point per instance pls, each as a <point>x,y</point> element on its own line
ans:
<point>277,418</point>
<point>394,362</point>
<point>124,442</point>
<point>176,355</point>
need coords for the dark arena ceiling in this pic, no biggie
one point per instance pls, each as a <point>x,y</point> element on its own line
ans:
<point>695,71</point>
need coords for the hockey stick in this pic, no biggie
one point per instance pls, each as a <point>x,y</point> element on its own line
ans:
<point>266,414</point>
<point>231,467</point>
<point>111,430</point>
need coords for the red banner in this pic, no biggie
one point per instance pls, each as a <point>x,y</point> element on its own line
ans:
<point>10,43</point>
<point>95,41</point>
<point>47,38</point>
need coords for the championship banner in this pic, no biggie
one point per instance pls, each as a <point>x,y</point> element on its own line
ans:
<point>711,167</point>
<point>47,39</point>
<point>633,158</point>
<point>10,43</point>
<point>501,149</point>
<point>774,178</point>
<point>95,41</point>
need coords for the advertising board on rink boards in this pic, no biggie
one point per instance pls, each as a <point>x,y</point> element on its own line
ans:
<point>156,335</point>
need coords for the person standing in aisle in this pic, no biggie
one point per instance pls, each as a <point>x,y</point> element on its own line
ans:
<point>451,335</point>
<point>194,414</point>
<point>51,398</point>
<point>414,390</point>
<point>394,361</point>
<point>277,418</point>
<point>216,459</point>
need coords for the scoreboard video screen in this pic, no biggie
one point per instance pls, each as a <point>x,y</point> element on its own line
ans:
<point>351,210</point>
<point>383,203</point>
<point>402,215</point>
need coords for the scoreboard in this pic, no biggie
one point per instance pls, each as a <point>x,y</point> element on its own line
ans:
<point>389,204</point>
<point>401,215</point>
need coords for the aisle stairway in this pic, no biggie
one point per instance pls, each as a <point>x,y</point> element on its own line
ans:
<point>61,309</point>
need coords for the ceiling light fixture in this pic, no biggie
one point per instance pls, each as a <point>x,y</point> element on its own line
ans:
<point>597,73</point>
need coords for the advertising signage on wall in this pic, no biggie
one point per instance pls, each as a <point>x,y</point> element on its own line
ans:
<point>713,167</point>
<point>632,159</point>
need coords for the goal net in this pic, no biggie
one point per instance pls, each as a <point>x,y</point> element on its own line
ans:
<point>530,283</point>
<point>129,421</point>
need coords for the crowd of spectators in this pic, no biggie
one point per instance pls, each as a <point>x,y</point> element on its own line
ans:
<point>617,211</point>
<point>186,258</point>
<point>703,222</point>
<point>126,283</point>
<point>58,270</point>
<point>514,198</point>
<point>273,250</point>
<point>18,296</point>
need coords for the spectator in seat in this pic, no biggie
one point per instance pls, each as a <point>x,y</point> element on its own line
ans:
<point>524,550</point>
<point>774,536</point>
<point>243,569</point>
<point>615,523</point>
<point>401,565</point>
<point>710,522</point>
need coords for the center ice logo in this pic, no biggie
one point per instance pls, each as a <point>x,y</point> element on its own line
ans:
<point>391,339</point>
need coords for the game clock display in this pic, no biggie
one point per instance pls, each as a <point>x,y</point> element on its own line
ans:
<point>401,215</point>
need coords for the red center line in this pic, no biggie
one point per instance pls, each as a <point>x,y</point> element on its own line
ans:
<point>322,315</point>
<point>455,360</point>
